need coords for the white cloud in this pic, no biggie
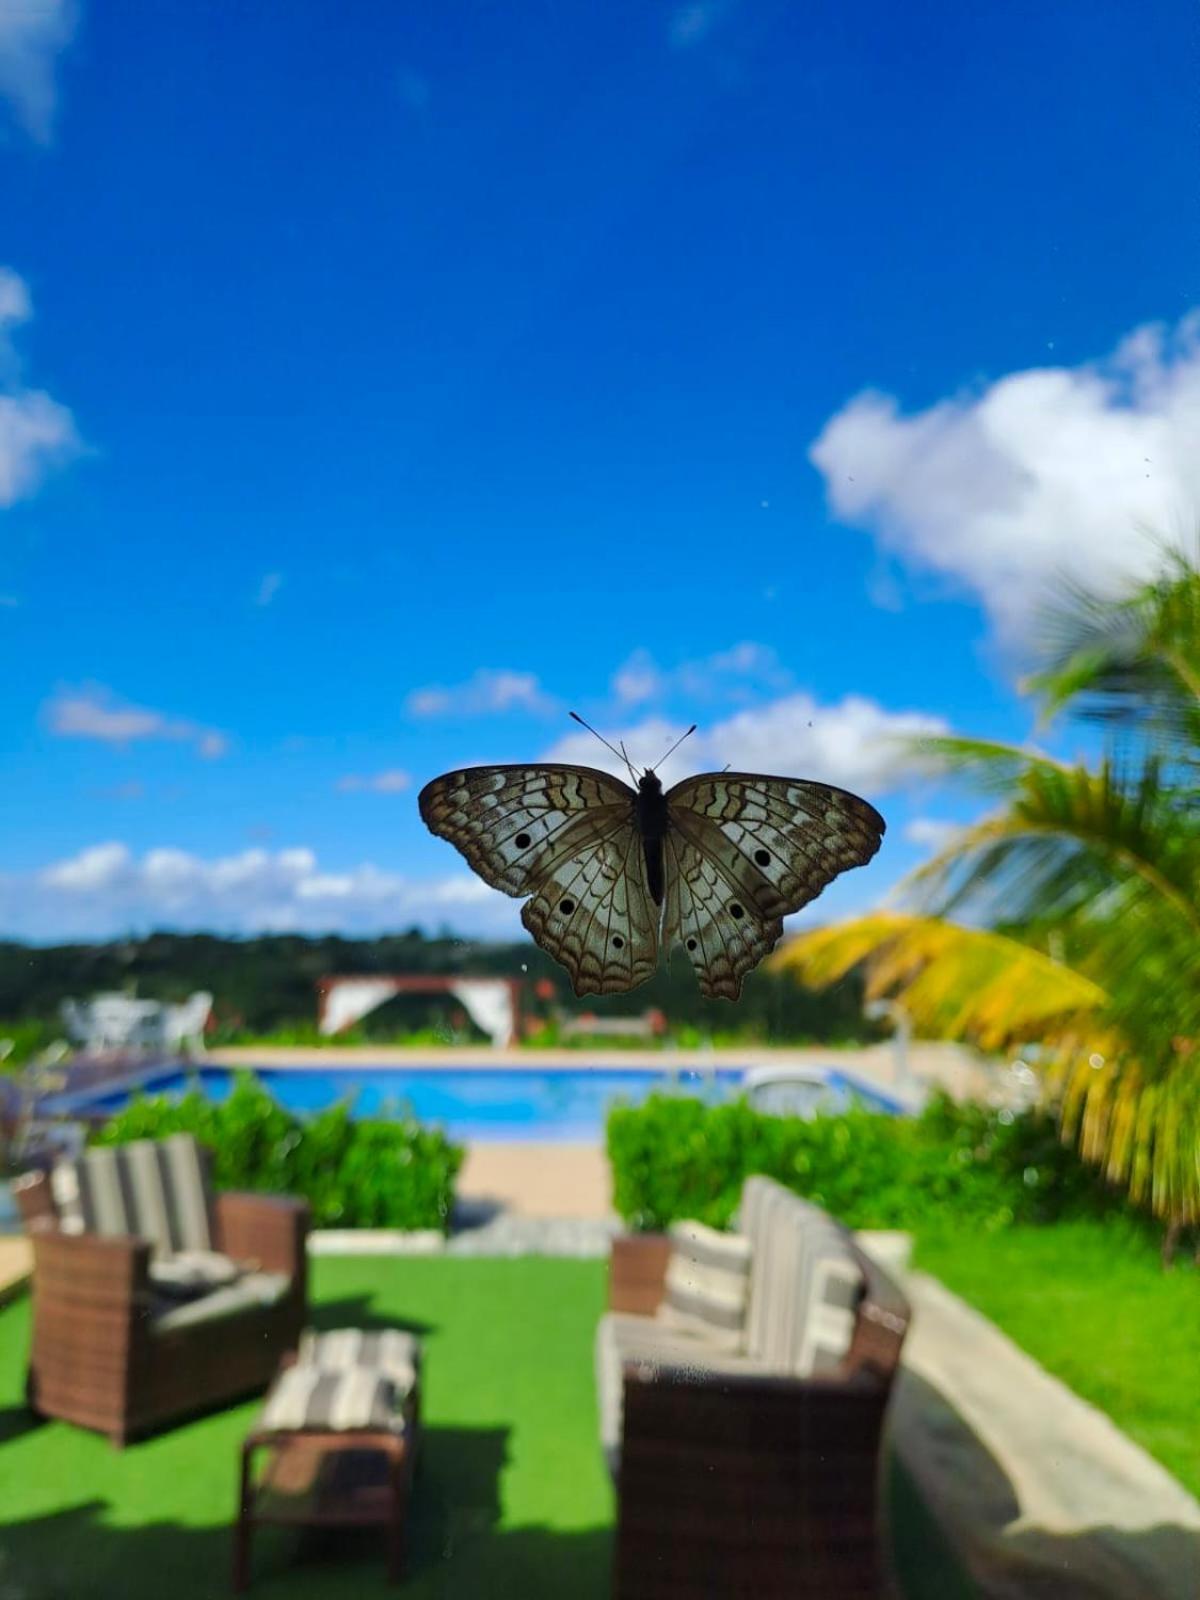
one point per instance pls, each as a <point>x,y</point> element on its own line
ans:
<point>36,432</point>
<point>106,890</point>
<point>1079,472</point>
<point>932,833</point>
<point>94,712</point>
<point>733,674</point>
<point>855,743</point>
<point>392,781</point>
<point>486,691</point>
<point>32,33</point>
<point>691,24</point>
<point>269,587</point>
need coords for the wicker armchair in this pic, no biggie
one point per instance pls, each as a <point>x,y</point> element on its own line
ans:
<point>112,1348</point>
<point>735,1475</point>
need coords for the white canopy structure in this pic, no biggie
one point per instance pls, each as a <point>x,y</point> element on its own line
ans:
<point>493,1004</point>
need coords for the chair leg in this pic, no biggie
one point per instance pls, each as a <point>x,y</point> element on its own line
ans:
<point>398,1477</point>
<point>243,1528</point>
<point>241,1556</point>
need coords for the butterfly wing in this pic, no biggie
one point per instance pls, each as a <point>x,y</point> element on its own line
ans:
<point>566,836</point>
<point>743,852</point>
<point>595,915</point>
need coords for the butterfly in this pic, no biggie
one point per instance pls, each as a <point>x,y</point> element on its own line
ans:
<point>612,872</point>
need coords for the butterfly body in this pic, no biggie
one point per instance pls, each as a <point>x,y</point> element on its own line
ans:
<point>609,873</point>
<point>653,820</point>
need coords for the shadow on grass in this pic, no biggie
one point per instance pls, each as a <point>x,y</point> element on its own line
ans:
<point>958,1527</point>
<point>16,1421</point>
<point>456,1547</point>
<point>355,1311</point>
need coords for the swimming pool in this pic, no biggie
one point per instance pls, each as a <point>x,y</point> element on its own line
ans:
<point>481,1103</point>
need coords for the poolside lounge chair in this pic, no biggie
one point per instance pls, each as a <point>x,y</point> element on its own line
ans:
<point>745,1440</point>
<point>154,1296</point>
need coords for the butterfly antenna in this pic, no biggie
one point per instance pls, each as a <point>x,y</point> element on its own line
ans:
<point>621,752</point>
<point>677,743</point>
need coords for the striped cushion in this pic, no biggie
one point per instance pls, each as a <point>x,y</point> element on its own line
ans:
<point>706,1282</point>
<point>804,1269</point>
<point>251,1293</point>
<point>391,1351</point>
<point>834,1287</point>
<point>623,1338</point>
<point>314,1399</point>
<point>192,1272</point>
<point>152,1188</point>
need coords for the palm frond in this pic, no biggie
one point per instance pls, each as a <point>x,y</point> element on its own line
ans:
<point>955,982</point>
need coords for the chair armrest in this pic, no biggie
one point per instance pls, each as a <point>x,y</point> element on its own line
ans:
<point>636,1269</point>
<point>270,1229</point>
<point>89,1270</point>
<point>35,1201</point>
<point>881,1324</point>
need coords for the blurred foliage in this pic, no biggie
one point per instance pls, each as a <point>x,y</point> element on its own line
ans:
<point>264,988</point>
<point>1070,918</point>
<point>961,1165</point>
<point>391,1173</point>
<point>28,1037</point>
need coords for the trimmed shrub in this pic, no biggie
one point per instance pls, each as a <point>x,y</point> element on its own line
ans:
<point>391,1173</point>
<point>676,1157</point>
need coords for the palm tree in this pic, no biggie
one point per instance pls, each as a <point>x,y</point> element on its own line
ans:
<point>1069,918</point>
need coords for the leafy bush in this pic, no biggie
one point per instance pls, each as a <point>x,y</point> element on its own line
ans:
<point>676,1157</point>
<point>26,1039</point>
<point>369,1174</point>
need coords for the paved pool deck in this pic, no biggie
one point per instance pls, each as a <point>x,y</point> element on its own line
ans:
<point>948,1066</point>
<point>16,1265</point>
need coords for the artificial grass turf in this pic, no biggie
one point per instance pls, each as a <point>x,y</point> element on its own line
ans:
<point>512,1501</point>
<point>1092,1304</point>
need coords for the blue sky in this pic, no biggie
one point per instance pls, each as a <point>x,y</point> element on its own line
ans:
<point>377,382</point>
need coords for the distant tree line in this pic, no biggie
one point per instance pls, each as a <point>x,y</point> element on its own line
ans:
<point>264,984</point>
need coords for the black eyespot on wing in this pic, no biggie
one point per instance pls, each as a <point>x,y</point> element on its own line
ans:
<point>566,907</point>
<point>618,942</point>
<point>763,857</point>
<point>522,841</point>
<point>736,911</point>
<point>691,944</point>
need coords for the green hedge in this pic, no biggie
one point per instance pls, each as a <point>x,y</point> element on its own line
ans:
<point>390,1173</point>
<point>676,1157</point>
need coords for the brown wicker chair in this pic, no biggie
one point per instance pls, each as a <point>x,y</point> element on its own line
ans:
<point>111,1352</point>
<point>737,1480</point>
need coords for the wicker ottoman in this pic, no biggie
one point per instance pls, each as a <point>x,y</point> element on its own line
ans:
<point>335,1444</point>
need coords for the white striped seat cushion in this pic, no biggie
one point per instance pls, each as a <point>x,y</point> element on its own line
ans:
<point>392,1351</point>
<point>193,1272</point>
<point>707,1279</point>
<point>806,1282</point>
<point>311,1398</point>
<point>154,1189</point>
<point>646,1343</point>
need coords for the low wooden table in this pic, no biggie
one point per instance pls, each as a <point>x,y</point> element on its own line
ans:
<point>321,1479</point>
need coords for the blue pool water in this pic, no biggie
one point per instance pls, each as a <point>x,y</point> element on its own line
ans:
<point>497,1103</point>
<point>487,1103</point>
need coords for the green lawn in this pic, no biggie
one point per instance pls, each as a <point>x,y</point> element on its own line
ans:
<point>1093,1306</point>
<point>512,1498</point>
<point>512,1502</point>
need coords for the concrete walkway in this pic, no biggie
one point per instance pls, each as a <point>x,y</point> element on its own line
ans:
<point>1040,1496</point>
<point>16,1265</point>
